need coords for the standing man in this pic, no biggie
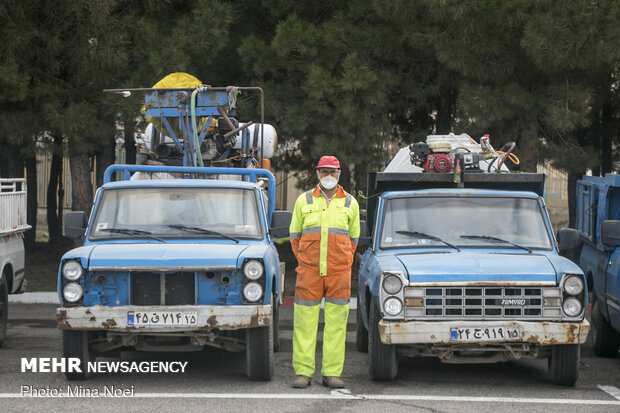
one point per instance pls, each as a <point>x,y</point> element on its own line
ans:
<point>325,229</point>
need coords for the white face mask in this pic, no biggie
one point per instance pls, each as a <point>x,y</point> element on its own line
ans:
<point>329,182</point>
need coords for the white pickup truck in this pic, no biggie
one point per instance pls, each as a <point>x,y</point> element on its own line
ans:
<point>12,227</point>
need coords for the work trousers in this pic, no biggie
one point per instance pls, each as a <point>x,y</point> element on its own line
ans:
<point>310,288</point>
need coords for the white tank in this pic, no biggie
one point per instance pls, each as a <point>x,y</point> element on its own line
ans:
<point>269,141</point>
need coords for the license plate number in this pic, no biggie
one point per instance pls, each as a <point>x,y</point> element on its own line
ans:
<point>477,334</point>
<point>162,318</point>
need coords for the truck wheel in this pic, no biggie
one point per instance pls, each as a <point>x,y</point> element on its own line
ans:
<point>259,353</point>
<point>361,338</point>
<point>4,307</point>
<point>564,364</point>
<point>382,362</point>
<point>606,339</point>
<point>276,325</point>
<point>75,345</point>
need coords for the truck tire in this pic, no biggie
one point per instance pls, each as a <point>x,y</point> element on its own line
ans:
<point>4,307</point>
<point>382,362</point>
<point>361,336</point>
<point>606,339</point>
<point>75,345</point>
<point>564,364</point>
<point>259,353</point>
<point>276,325</point>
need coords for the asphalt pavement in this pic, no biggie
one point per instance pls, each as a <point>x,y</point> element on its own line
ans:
<point>215,380</point>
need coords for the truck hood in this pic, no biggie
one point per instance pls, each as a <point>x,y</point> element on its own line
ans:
<point>179,256</point>
<point>478,267</point>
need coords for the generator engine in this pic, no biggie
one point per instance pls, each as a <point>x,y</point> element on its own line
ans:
<point>420,155</point>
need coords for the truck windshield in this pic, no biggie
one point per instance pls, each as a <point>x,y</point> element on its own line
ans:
<point>464,221</point>
<point>229,213</point>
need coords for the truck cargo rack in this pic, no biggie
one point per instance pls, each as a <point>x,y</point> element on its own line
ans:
<point>13,206</point>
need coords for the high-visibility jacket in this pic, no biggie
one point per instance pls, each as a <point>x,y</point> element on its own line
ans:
<point>329,233</point>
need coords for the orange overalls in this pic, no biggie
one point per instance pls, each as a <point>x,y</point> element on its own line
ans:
<point>324,238</point>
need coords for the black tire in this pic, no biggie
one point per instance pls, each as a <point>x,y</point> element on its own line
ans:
<point>276,325</point>
<point>564,364</point>
<point>75,345</point>
<point>606,339</point>
<point>361,337</point>
<point>4,307</point>
<point>259,353</point>
<point>382,362</point>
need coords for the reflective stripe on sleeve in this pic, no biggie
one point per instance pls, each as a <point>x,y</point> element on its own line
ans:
<point>355,240</point>
<point>295,235</point>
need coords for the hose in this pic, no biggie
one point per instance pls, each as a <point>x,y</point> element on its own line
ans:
<point>194,128</point>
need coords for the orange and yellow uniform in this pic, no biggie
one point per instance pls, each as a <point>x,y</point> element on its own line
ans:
<point>324,237</point>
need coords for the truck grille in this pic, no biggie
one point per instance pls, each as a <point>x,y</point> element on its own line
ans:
<point>479,303</point>
<point>147,287</point>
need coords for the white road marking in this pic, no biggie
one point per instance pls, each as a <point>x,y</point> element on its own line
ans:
<point>336,395</point>
<point>611,390</point>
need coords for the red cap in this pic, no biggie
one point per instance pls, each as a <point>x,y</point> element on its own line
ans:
<point>328,162</point>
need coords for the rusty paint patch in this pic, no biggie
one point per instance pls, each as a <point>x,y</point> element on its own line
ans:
<point>572,334</point>
<point>109,323</point>
<point>93,318</point>
<point>387,339</point>
<point>212,321</point>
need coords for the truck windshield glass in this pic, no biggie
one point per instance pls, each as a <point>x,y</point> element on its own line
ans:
<point>464,221</point>
<point>169,212</point>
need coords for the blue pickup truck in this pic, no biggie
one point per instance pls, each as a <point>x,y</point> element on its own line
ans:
<point>596,238</point>
<point>174,265</point>
<point>468,272</point>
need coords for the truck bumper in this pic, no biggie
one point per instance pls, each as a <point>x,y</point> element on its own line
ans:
<point>124,318</point>
<point>443,332</point>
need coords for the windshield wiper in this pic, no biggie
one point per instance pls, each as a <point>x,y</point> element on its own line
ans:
<point>132,232</point>
<point>200,230</point>
<point>423,235</point>
<point>490,238</point>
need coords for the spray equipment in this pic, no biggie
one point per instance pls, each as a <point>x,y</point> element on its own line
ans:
<point>193,123</point>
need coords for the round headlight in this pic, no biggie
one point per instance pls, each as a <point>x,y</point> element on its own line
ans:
<point>72,292</point>
<point>392,306</point>
<point>252,292</point>
<point>253,269</point>
<point>72,270</point>
<point>392,284</point>
<point>572,307</point>
<point>573,285</point>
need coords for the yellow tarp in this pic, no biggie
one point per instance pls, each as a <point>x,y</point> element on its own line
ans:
<point>177,80</point>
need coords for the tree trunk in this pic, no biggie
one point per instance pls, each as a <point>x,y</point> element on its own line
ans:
<point>81,187</point>
<point>53,223</point>
<point>607,132</point>
<point>105,158</point>
<point>529,147</point>
<point>31,213</point>
<point>11,162</point>
<point>130,143</point>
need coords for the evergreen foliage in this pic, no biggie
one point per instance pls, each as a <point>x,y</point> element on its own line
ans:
<point>356,78</point>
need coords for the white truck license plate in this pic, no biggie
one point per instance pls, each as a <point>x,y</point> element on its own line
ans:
<point>162,318</point>
<point>477,334</point>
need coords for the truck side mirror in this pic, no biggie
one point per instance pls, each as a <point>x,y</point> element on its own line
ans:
<point>75,224</point>
<point>568,238</point>
<point>364,241</point>
<point>610,233</point>
<point>280,223</point>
